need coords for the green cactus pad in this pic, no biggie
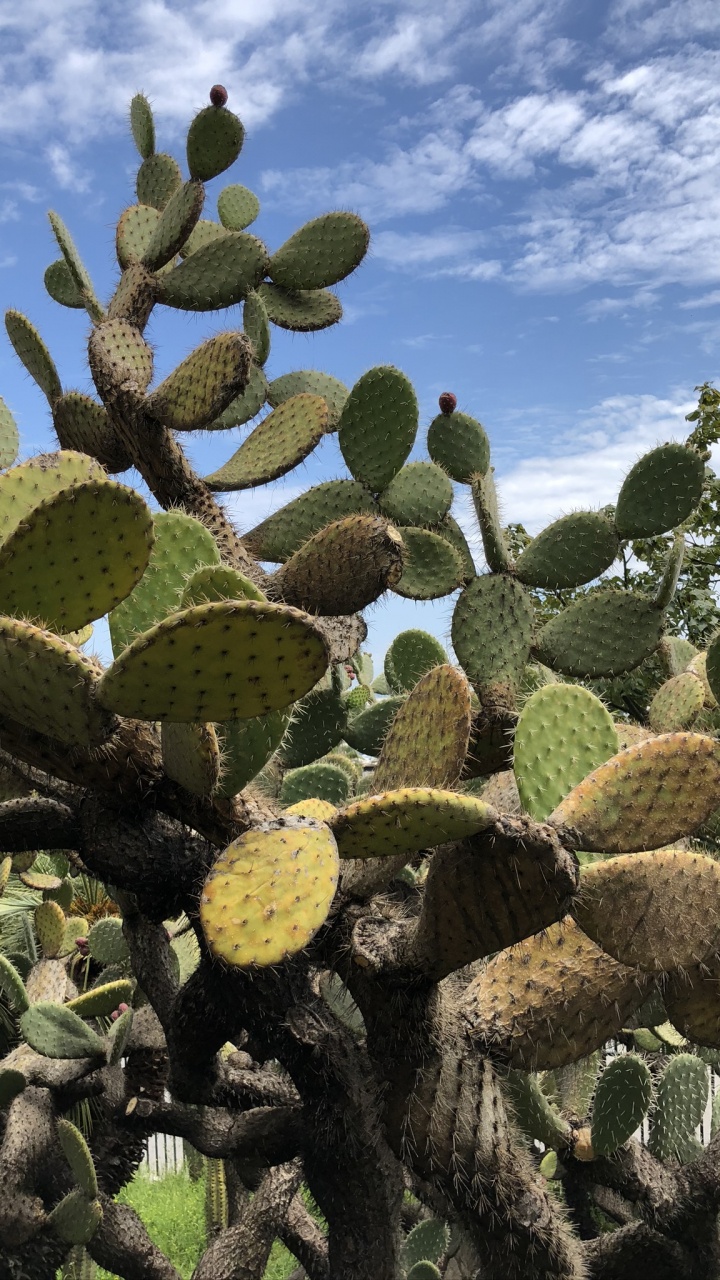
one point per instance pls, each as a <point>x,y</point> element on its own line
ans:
<point>678,653</point>
<point>424,1271</point>
<point>563,733</point>
<point>659,492</point>
<point>46,981</point>
<point>533,1112</point>
<point>48,685</point>
<point>56,1032</point>
<point>492,631</point>
<point>31,350</point>
<point>407,820</point>
<point>106,941</point>
<point>158,177</point>
<point>204,232</point>
<point>203,385</point>
<point>283,533</point>
<point>459,444</point>
<point>677,703</point>
<point>657,910</point>
<point>410,655</point>
<point>315,782</point>
<point>61,286</point>
<point>77,1153</point>
<point>119,1035</point>
<point>321,253</point>
<point>575,549</point>
<point>101,1001</point>
<point>245,747</point>
<point>680,1101</point>
<point>218,582</point>
<point>182,545</point>
<point>649,795</point>
<point>311,381</point>
<point>427,743</point>
<point>603,634</point>
<point>118,353</point>
<point>317,725</point>
<point>76,1219</point>
<point>75,264</point>
<point>142,125</point>
<point>135,229</point>
<point>9,436</point>
<point>245,406</point>
<point>494,541</point>
<point>428,1241</point>
<point>12,985</point>
<point>269,892</point>
<point>50,928</point>
<point>622,1100</point>
<point>256,326</point>
<point>300,310</point>
<point>366,731</point>
<point>176,223</point>
<point>342,568</point>
<point>191,756</point>
<point>378,426</point>
<point>420,494</point>
<point>224,661</point>
<point>237,207</point>
<point>101,529</point>
<point>281,441</point>
<point>214,141</point>
<point>12,1083</point>
<point>551,999</point>
<point>432,568</point>
<point>220,274</point>
<point>83,425</point>
<point>450,530</point>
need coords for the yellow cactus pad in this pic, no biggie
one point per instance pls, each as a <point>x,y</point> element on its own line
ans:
<point>692,1000</point>
<point>651,794</point>
<point>191,756</point>
<point>48,685</point>
<point>427,741</point>
<point>655,910</point>
<point>407,820</point>
<point>320,810</point>
<point>269,892</point>
<point>277,444</point>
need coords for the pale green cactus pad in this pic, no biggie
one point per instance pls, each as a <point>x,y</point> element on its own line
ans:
<point>562,734</point>
<point>282,440</point>
<point>46,684</point>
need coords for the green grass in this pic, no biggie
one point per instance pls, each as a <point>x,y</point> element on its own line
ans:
<point>173,1212</point>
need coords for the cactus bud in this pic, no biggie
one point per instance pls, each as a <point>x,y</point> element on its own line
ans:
<point>218,95</point>
<point>447,402</point>
<point>82,946</point>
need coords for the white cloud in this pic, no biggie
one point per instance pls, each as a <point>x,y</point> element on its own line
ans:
<point>65,172</point>
<point>8,260</point>
<point>711,299</point>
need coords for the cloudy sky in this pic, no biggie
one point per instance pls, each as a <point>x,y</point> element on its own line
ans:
<point>541,177</point>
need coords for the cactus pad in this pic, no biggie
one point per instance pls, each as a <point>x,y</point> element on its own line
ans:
<point>142,125</point>
<point>300,310</point>
<point>158,178</point>
<point>420,494</point>
<point>56,1032</point>
<point>107,942</point>
<point>219,274</point>
<point>677,703</point>
<point>622,1100</point>
<point>459,444</point>
<point>73,262</point>
<point>237,207</point>
<point>432,568</point>
<point>12,1083</point>
<point>100,1002</point>
<point>603,634</point>
<point>492,631</point>
<point>245,746</point>
<point>174,225</point>
<point>77,1153</point>
<point>31,350</point>
<point>321,253</point>
<point>256,326</point>
<point>680,1101</point>
<point>269,892</point>
<point>50,928</point>
<point>314,383</point>
<point>214,140</point>
<point>533,1112</point>
<point>428,1241</point>
<point>218,582</point>
<point>575,549</point>
<point>407,820</point>
<point>427,742</point>
<point>649,795</point>
<point>76,1219</point>
<point>9,438</point>
<point>61,286</point>
<point>693,1007</point>
<point>366,732</point>
<point>204,232</point>
<point>117,353</point>
<point>203,386</point>
<point>315,782</point>
<point>344,567</point>
<point>285,532</point>
<point>563,733</point>
<point>282,440</point>
<point>83,425</point>
<point>245,406</point>
<point>191,756</point>
<point>224,661</point>
<point>317,725</point>
<point>48,685</point>
<point>12,985</point>
<point>660,491</point>
<point>410,656</point>
<point>378,426</point>
<point>134,232</point>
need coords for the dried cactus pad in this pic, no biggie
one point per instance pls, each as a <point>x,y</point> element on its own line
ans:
<point>575,549</point>
<point>649,795</point>
<point>269,892</point>
<point>691,1000</point>
<point>407,820</point>
<point>562,734</point>
<point>659,492</point>
<point>203,385</point>
<point>46,684</point>
<point>378,426</point>
<point>603,634</point>
<point>658,910</point>
<point>223,661</point>
<point>344,567</point>
<point>282,440</point>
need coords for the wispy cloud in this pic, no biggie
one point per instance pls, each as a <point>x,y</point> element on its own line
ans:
<point>65,171</point>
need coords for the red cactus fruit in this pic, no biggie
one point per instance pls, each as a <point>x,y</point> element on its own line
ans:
<point>447,402</point>
<point>82,946</point>
<point>218,95</point>
<point>122,1008</point>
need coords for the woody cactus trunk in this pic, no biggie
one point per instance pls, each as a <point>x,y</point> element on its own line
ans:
<point>359,936</point>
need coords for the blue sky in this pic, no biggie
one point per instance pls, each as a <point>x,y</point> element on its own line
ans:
<point>542,179</point>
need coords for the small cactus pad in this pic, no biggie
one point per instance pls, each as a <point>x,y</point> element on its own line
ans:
<point>551,999</point>
<point>378,426</point>
<point>314,383</point>
<point>191,756</point>
<point>320,810</point>
<point>603,634</point>
<point>315,782</point>
<point>699,667</point>
<point>158,177</point>
<point>427,742</point>
<point>175,224</point>
<point>649,795</point>
<point>492,631</point>
<point>220,274</point>
<point>142,125</point>
<point>677,703</point>
<point>424,1271</point>
<point>100,1002</point>
<point>283,533</point>
<point>678,653</point>
<point>344,567</point>
<point>218,582</point>
<point>245,406</point>
<point>224,661</point>
<point>12,985</point>
<point>680,1101</point>
<point>366,732</point>
<point>410,656</point>
<point>134,232</point>
<point>181,546</point>
<point>269,892</point>
<point>56,1032</point>
<point>9,437</point>
<point>407,820</point>
<point>300,310</point>
<point>48,685</point>
<point>563,733</point>
<point>256,326</point>
<point>658,910</point>
<point>622,1100</point>
<point>432,568</point>
<point>76,1219</point>
<point>214,140</point>
<point>420,494</point>
<point>61,286</point>
<point>31,350</point>
<point>203,385</point>
<point>237,207</point>
<point>321,253</point>
<point>282,440</point>
<point>660,491</point>
<point>693,1007</point>
<point>459,444</point>
<point>204,232</point>
<point>50,928</point>
<point>245,747</point>
<point>106,941</point>
<point>83,425</point>
<point>575,549</point>
<point>533,1112</point>
<point>72,258</point>
<point>317,725</point>
<point>428,1241</point>
<point>77,1153</point>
